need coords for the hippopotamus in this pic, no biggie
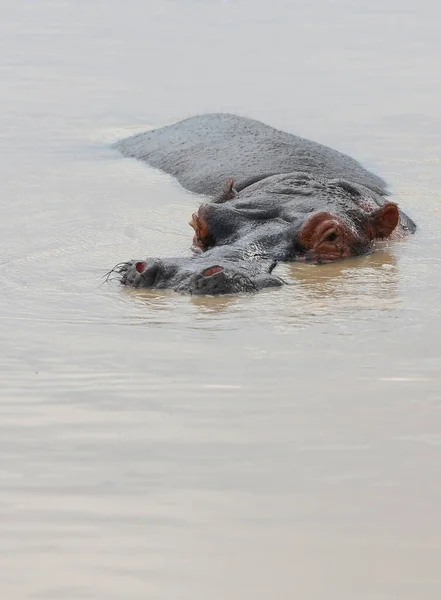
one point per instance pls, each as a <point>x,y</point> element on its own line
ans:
<point>269,196</point>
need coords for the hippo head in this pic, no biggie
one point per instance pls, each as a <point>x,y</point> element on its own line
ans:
<point>241,236</point>
<point>210,274</point>
<point>296,216</point>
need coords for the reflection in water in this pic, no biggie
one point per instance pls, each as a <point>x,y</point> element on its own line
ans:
<point>343,288</point>
<point>212,304</point>
<point>380,262</point>
<point>338,289</point>
<point>165,299</point>
<point>374,275</point>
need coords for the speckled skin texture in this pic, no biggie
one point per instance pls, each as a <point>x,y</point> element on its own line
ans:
<point>274,197</point>
<point>202,152</point>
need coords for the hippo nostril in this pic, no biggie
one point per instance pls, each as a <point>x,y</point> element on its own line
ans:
<point>141,266</point>
<point>212,271</point>
<point>146,273</point>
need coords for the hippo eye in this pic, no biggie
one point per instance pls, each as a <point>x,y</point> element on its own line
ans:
<point>331,237</point>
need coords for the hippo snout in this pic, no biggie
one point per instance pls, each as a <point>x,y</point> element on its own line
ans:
<point>216,280</point>
<point>143,273</point>
<point>197,276</point>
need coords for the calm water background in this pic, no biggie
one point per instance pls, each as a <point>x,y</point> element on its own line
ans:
<point>283,445</point>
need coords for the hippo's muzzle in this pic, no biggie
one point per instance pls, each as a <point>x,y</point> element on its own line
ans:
<point>198,275</point>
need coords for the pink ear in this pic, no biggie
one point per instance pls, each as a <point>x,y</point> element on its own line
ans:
<point>384,220</point>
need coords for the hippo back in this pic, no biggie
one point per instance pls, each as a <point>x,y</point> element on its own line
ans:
<point>203,152</point>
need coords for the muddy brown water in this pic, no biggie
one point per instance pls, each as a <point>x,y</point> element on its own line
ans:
<point>282,445</point>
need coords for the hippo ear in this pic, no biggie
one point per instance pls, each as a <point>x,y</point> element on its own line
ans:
<point>384,220</point>
<point>228,194</point>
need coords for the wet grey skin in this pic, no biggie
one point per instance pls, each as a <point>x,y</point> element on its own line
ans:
<point>199,275</point>
<point>204,151</point>
<point>272,197</point>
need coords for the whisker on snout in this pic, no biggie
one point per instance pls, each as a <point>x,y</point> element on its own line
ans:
<point>119,270</point>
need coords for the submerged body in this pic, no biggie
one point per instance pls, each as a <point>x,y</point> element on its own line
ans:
<point>275,197</point>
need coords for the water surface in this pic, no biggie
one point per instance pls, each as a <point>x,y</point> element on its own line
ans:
<point>282,445</point>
